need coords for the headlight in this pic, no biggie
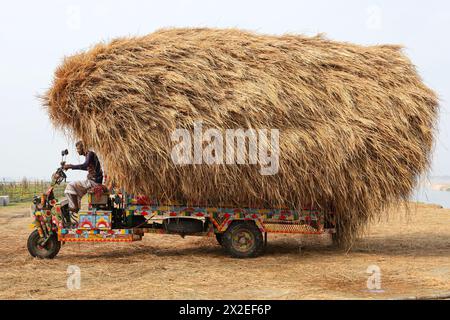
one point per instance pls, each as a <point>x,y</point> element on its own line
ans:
<point>36,200</point>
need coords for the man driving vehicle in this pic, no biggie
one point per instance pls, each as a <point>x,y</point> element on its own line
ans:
<point>77,189</point>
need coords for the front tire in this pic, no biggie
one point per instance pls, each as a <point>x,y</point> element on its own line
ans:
<point>243,240</point>
<point>47,251</point>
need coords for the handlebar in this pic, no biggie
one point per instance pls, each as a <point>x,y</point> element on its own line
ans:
<point>60,176</point>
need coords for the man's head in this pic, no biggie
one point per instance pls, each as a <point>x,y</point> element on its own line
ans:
<point>81,149</point>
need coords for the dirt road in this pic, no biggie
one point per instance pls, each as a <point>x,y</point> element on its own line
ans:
<point>412,253</point>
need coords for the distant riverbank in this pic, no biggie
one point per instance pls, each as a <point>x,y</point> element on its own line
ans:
<point>436,191</point>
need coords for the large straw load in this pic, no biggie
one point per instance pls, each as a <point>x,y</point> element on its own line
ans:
<point>356,123</point>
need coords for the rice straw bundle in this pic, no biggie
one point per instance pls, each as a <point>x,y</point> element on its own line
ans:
<point>356,122</point>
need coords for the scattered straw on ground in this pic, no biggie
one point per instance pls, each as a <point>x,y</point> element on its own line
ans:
<point>412,252</point>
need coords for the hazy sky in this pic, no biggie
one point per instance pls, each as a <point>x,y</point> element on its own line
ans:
<point>36,35</point>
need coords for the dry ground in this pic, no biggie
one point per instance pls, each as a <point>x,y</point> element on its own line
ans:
<point>413,253</point>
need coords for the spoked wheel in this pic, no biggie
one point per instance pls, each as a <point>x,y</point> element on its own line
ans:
<point>243,240</point>
<point>37,249</point>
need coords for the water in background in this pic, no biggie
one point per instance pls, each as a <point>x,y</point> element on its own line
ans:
<point>425,193</point>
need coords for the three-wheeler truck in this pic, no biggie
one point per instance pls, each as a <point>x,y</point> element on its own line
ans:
<point>116,216</point>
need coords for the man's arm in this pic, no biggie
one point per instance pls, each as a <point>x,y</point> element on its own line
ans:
<point>83,166</point>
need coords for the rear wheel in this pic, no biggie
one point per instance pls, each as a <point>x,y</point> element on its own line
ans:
<point>37,249</point>
<point>243,240</point>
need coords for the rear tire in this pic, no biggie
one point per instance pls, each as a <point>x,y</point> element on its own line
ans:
<point>243,240</point>
<point>48,251</point>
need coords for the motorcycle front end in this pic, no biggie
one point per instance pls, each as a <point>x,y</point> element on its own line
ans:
<point>49,217</point>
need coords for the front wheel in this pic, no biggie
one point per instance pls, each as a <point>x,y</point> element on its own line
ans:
<point>243,240</point>
<point>49,250</point>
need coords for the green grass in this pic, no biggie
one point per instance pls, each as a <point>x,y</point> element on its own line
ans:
<point>25,190</point>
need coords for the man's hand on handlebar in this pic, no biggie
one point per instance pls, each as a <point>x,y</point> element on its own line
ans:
<point>67,167</point>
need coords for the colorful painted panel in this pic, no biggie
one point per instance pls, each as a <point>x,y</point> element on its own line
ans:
<point>95,219</point>
<point>115,235</point>
<point>103,220</point>
<point>86,221</point>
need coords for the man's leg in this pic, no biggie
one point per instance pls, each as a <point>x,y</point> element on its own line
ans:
<point>73,202</point>
<point>75,192</point>
<point>79,189</point>
<point>72,196</point>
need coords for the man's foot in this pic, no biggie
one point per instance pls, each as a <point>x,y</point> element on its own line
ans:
<point>69,222</point>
